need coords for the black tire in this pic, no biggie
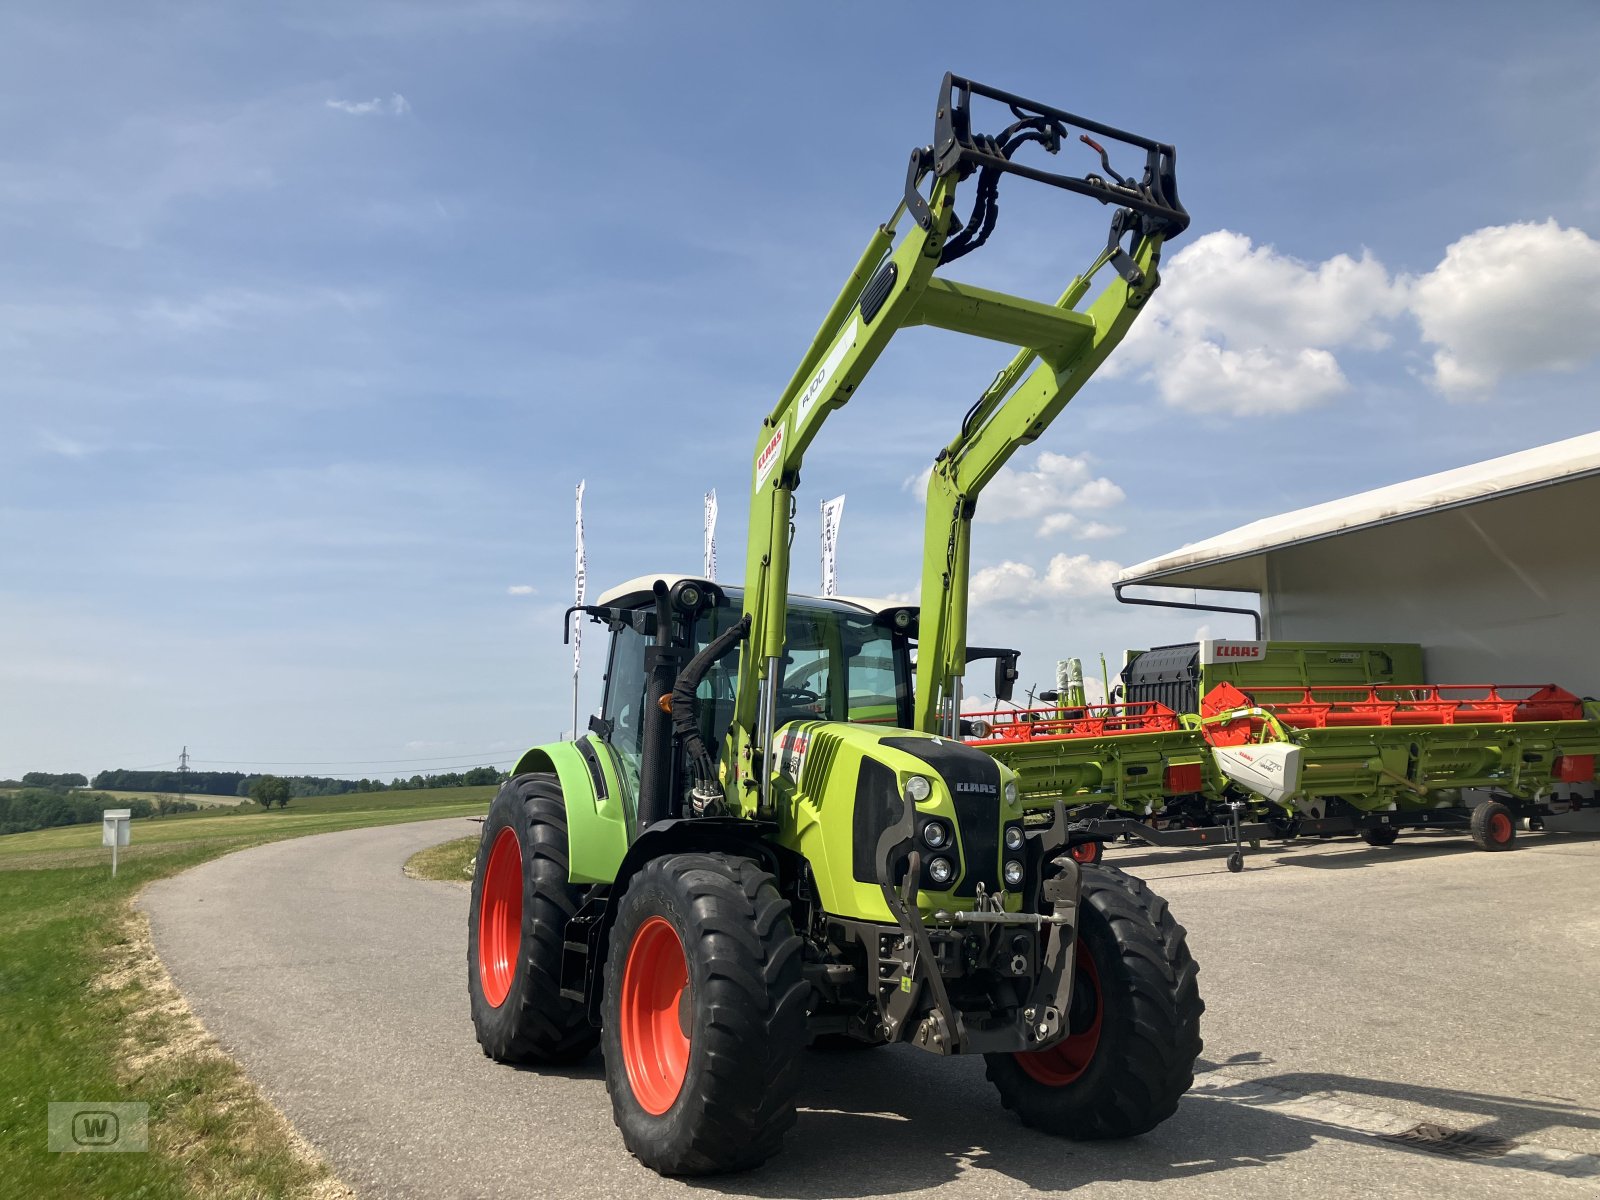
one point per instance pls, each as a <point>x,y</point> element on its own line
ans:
<point>742,1007</point>
<point>1380,835</point>
<point>1236,862</point>
<point>532,1023</point>
<point>1494,826</point>
<point>1149,1014</point>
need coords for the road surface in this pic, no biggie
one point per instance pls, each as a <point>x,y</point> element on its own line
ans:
<point>1352,993</point>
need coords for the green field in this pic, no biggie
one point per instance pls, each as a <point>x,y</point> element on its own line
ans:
<point>84,1017</point>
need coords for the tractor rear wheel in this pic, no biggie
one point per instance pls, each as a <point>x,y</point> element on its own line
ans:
<point>1134,1022</point>
<point>1494,826</point>
<point>705,1015</point>
<point>521,902</point>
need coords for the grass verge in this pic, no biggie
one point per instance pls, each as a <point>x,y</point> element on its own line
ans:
<point>88,1014</point>
<point>449,861</point>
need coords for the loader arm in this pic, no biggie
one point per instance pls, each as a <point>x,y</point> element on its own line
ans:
<point>893,288</point>
<point>1024,398</point>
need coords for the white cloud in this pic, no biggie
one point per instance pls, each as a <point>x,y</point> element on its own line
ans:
<point>395,106</point>
<point>522,589</point>
<point>1047,491</point>
<point>1242,329</point>
<point>1019,586</point>
<point>1510,298</point>
<point>66,447</point>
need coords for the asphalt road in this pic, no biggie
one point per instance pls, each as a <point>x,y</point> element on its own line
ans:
<point>1352,993</point>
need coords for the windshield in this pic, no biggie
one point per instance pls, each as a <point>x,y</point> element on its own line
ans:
<point>841,665</point>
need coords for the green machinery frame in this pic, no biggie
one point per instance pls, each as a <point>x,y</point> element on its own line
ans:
<point>894,288</point>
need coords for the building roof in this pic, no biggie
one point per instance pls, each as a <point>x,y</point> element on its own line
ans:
<point>1231,560</point>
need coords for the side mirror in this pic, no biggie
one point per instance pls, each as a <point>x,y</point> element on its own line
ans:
<point>1005,676</point>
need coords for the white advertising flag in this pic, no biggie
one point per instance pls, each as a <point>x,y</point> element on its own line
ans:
<point>711,534</point>
<point>832,511</point>
<point>581,571</point>
<point>582,575</point>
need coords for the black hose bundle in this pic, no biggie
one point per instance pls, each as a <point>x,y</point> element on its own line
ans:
<point>686,716</point>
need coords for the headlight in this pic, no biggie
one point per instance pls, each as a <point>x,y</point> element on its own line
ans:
<point>936,834</point>
<point>1013,873</point>
<point>1013,837</point>
<point>1011,791</point>
<point>918,788</point>
<point>941,870</point>
<point>980,728</point>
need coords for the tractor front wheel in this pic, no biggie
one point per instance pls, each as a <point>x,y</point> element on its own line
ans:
<point>705,1015</point>
<point>521,902</point>
<point>1133,1023</point>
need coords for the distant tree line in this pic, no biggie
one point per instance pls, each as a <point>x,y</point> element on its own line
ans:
<point>237,783</point>
<point>46,808</point>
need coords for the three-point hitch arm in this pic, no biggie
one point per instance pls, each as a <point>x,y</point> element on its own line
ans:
<point>895,287</point>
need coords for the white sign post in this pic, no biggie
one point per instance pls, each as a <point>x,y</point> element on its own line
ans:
<point>114,827</point>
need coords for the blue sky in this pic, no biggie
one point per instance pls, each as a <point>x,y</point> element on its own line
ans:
<point>313,316</point>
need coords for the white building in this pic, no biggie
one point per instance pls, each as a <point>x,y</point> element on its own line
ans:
<point>1494,568</point>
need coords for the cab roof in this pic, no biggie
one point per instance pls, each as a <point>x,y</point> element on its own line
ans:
<point>638,590</point>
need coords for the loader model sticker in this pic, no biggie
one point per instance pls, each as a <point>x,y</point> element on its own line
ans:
<point>817,388</point>
<point>792,746</point>
<point>1223,652</point>
<point>770,454</point>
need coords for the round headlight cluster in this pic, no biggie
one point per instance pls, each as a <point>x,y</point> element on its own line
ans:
<point>936,834</point>
<point>980,728</point>
<point>1013,837</point>
<point>918,788</point>
<point>1013,873</point>
<point>1011,791</point>
<point>941,870</point>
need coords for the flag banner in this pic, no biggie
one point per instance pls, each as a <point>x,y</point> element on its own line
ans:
<point>832,511</point>
<point>711,534</point>
<point>582,575</point>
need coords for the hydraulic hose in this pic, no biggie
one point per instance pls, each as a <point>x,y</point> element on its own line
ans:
<point>686,714</point>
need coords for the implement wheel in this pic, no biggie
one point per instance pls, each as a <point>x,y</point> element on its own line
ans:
<point>521,902</point>
<point>1133,1024</point>
<point>1494,826</point>
<point>705,1015</point>
<point>1087,853</point>
<point>1380,835</point>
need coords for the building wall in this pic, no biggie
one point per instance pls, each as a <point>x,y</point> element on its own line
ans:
<point>1502,591</point>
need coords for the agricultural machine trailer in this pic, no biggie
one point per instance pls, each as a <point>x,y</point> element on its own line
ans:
<point>1326,740</point>
<point>742,857</point>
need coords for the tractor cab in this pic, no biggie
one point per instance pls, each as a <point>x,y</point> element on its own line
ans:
<point>847,659</point>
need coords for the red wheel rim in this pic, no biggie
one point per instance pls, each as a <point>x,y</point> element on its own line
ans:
<point>655,983</point>
<point>1500,828</point>
<point>500,918</point>
<point>1069,1058</point>
<point>1086,852</point>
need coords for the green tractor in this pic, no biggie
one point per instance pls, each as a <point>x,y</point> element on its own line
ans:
<point>759,846</point>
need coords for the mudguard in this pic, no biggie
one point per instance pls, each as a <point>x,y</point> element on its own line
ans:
<point>597,816</point>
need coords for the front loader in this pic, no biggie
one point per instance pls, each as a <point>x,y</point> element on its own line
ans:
<point>756,848</point>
